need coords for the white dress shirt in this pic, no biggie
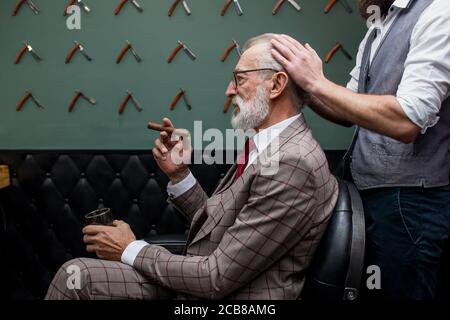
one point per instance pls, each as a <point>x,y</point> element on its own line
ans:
<point>262,139</point>
<point>426,79</point>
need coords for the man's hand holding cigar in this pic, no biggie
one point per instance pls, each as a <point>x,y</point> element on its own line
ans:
<point>172,150</point>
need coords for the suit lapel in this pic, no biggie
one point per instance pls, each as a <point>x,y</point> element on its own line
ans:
<point>205,223</point>
<point>227,180</point>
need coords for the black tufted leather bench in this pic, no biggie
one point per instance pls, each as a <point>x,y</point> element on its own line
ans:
<point>42,212</point>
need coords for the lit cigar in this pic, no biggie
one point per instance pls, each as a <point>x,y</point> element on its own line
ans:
<point>160,127</point>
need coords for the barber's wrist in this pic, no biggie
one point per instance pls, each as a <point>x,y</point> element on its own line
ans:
<point>179,176</point>
<point>321,87</point>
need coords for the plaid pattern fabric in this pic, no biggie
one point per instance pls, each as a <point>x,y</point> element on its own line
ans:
<point>252,239</point>
<point>103,280</point>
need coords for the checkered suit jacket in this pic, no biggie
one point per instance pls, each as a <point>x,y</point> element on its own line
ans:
<point>254,237</point>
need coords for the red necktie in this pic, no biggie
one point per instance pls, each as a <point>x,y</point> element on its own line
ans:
<point>243,157</point>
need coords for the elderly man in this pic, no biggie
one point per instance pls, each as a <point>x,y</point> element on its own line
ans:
<point>255,236</point>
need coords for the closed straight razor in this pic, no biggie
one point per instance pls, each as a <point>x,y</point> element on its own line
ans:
<point>88,99</point>
<point>186,7</point>
<point>238,48</point>
<point>137,5</point>
<point>295,5</point>
<point>338,46</point>
<point>83,52</point>
<point>234,45</point>
<point>29,3</point>
<point>175,51</point>
<point>125,49</point>
<point>28,95</point>
<point>186,100</point>
<point>27,48</point>
<point>279,3</point>
<point>180,94</point>
<point>33,53</point>
<point>129,97</point>
<point>36,101</point>
<point>134,53</point>
<point>79,94</point>
<point>33,7</point>
<point>135,102</point>
<point>238,8</point>
<point>84,6</point>
<point>77,47</point>
<point>176,3</point>
<point>187,51</point>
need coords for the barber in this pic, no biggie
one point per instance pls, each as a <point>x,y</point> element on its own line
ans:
<point>398,97</point>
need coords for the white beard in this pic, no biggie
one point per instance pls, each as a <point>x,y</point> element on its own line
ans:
<point>251,113</point>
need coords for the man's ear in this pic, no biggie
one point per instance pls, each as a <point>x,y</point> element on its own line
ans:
<point>279,83</point>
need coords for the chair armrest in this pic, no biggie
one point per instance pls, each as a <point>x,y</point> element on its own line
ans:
<point>175,243</point>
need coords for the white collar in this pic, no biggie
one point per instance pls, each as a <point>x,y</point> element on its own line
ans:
<point>402,4</point>
<point>264,137</point>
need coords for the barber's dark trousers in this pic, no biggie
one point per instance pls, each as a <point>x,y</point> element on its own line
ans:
<point>407,233</point>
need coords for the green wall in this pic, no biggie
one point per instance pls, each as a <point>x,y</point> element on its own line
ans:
<point>153,81</point>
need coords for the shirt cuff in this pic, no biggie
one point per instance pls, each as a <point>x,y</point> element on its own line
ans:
<point>132,251</point>
<point>420,114</point>
<point>175,190</point>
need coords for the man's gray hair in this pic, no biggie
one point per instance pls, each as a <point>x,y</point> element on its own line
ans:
<point>266,60</point>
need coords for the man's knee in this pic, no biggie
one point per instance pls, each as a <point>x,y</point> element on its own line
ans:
<point>72,281</point>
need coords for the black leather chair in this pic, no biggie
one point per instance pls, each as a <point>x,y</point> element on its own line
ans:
<point>336,269</point>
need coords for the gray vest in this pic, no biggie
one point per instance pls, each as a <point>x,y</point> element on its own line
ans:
<point>379,161</point>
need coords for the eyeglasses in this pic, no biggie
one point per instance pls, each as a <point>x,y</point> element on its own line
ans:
<point>235,73</point>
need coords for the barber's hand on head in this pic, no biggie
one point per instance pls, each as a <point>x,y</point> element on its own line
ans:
<point>173,154</point>
<point>302,63</point>
<point>108,242</point>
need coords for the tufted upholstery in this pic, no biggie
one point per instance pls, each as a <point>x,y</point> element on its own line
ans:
<point>42,213</point>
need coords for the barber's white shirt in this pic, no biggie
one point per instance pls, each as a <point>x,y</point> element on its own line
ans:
<point>426,79</point>
<point>262,139</point>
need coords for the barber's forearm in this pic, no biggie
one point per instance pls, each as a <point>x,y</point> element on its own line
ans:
<point>326,112</point>
<point>381,114</point>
